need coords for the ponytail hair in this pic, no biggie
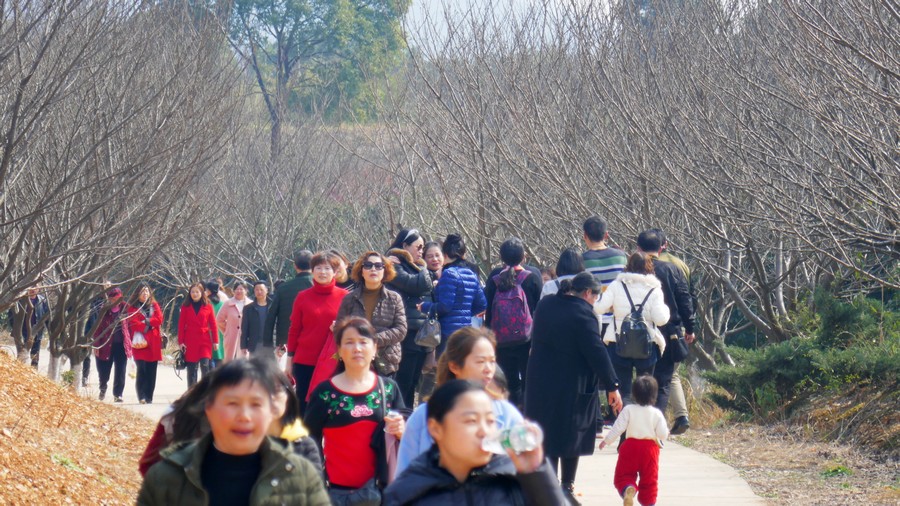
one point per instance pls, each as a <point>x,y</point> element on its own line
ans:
<point>581,282</point>
<point>512,253</point>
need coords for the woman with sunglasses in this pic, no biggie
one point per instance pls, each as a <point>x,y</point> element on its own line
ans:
<point>413,282</point>
<point>567,369</point>
<point>382,307</point>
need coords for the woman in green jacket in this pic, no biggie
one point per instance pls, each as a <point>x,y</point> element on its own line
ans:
<point>261,471</point>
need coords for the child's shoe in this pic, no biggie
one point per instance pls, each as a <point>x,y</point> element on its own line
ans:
<point>628,496</point>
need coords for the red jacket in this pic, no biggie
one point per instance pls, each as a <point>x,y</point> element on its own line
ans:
<point>197,331</point>
<point>314,311</point>
<point>105,329</point>
<point>137,322</point>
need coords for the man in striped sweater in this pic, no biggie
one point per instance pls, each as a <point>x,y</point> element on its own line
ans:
<point>604,262</point>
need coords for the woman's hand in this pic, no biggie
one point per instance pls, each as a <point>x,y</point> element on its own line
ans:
<point>603,444</point>
<point>393,259</point>
<point>395,426</point>
<point>615,401</point>
<point>527,462</point>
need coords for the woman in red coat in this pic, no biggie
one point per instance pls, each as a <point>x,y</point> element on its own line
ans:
<point>197,332</point>
<point>313,314</point>
<point>145,319</point>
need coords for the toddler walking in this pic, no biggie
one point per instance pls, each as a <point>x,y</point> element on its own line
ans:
<point>645,430</point>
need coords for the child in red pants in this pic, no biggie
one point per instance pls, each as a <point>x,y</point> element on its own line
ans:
<point>645,430</point>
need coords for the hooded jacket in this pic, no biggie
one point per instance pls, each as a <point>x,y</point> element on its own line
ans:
<point>426,483</point>
<point>285,478</point>
<point>655,309</point>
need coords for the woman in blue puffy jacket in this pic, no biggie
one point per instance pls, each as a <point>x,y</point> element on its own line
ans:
<point>458,295</point>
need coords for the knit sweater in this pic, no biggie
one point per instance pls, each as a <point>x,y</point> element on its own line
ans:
<point>315,309</point>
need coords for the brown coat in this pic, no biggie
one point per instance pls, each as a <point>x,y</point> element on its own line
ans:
<point>389,320</point>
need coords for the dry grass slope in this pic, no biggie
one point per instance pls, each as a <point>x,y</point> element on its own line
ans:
<point>59,448</point>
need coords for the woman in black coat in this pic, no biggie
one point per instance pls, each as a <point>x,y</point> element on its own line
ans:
<point>566,371</point>
<point>413,281</point>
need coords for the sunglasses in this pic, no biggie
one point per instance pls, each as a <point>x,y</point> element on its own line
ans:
<point>373,265</point>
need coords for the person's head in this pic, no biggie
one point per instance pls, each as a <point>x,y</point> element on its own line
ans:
<point>453,248</point>
<point>663,242</point>
<point>639,263</point>
<point>512,253</point>
<point>648,241</point>
<point>33,292</point>
<point>355,340</point>
<point>260,290</point>
<point>239,405</point>
<point>239,289</point>
<point>548,274</point>
<point>197,294</point>
<point>644,389</point>
<point>325,265</point>
<point>286,404</point>
<point>460,416</point>
<point>470,355</point>
<point>373,270</point>
<point>411,241</point>
<point>142,296</point>
<point>569,263</point>
<point>211,291</point>
<point>114,294</point>
<point>302,259</point>
<point>341,274</point>
<point>583,285</point>
<point>595,230</point>
<point>434,257</point>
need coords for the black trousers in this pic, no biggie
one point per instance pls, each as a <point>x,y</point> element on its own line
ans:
<point>513,359</point>
<point>302,376</point>
<point>118,360</point>
<point>192,370</point>
<point>409,373</point>
<point>145,381</point>
<point>36,350</point>
<point>665,368</point>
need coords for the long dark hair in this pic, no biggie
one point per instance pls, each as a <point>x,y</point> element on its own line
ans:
<point>134,300</point>
<point>203,298</point>
<point>512,252</point>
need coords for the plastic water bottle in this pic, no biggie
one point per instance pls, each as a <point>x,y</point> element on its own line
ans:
<point>520,438</point>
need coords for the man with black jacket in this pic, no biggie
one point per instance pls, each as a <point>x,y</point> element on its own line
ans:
<point>681,320</point>
<point>278,319</point>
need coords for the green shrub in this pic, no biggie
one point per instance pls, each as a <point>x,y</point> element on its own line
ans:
<point>853,343</point>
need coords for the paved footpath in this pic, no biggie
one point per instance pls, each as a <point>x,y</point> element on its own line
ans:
<point>686,477</point>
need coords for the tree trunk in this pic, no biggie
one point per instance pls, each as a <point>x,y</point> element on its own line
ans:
<point>53,368</point>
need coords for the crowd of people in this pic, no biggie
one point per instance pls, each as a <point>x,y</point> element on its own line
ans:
<point>329,375</point>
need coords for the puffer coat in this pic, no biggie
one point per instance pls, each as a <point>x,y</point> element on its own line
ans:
<point>389,320</point>
<point>457,298</point>
<point>426,483</point>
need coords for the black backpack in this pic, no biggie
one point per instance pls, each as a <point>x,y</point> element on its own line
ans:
<point>633,339</point>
